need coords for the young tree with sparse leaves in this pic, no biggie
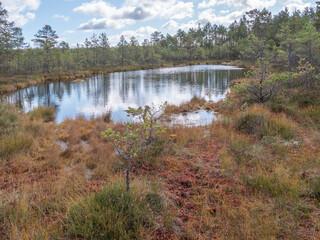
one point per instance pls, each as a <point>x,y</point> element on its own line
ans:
<point>136,135</point>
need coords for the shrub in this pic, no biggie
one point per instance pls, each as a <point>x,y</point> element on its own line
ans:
<point>260,87</point>
<point>46,114</point>
<point>126,144</point>
<point>8,118</point>
<point>113,213</point>
<point>307,73</point>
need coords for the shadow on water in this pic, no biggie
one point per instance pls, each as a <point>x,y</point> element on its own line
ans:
<point>118,91</point>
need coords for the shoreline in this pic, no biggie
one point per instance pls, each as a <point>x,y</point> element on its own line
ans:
<point>34,80</point>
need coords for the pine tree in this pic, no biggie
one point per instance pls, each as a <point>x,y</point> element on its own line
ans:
<point>46,39</point>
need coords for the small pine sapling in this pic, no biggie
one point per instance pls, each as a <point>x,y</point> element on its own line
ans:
<point>136,134</point>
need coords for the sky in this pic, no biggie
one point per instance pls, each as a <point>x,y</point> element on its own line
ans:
<point>76,20</point>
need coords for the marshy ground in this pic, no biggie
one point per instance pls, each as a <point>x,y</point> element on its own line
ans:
<point>253,174</point>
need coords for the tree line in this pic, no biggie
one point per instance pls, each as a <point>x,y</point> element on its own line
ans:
<point>281,39</point>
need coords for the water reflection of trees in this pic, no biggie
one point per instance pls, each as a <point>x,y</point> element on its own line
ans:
<point>138,86</point>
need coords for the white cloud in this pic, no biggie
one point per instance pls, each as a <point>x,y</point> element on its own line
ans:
<point>296,5</point>
<point>170,25</point>
<point>140,34</point>
<point>62,17</point>
<point>69,32</point>
<point>188,25</point>
<point>59,40</point>
<point>104,23</point>
<point>180,10</point>
<point>208,16</point>
<point>19,10</point>
<point>30,15</point>
<point>133,10</point>
<point>96,8</point>
<point>240,4</point>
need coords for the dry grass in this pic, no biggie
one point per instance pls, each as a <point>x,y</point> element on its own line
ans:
<point>282,173</point>
<point>259,121</point>
<point>248,176</point>
<point>41,175</point>
<point>46,114</point>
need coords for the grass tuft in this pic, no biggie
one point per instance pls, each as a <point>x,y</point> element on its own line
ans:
<point>106,117</point>
<point>14,143</point>
<point>113,213</point>
<point>315,188</point>
<point>46,114</point>
<point>8,118</point>
<point>259,121</point>
<point>194,104</point>
<point>312,115</point>
<point>274,184</point>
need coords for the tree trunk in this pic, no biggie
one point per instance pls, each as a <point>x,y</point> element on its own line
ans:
<point>128,175</point>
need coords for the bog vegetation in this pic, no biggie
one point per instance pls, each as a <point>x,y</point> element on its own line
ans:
<point>252,174</point>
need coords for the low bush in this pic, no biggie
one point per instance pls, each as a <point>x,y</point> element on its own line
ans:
<point>114,213</point>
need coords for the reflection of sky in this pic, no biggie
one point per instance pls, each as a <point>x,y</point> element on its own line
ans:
<point>200,118</point>
<point>118,91</point>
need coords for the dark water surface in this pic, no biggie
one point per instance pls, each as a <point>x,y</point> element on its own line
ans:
<point>118,91</point>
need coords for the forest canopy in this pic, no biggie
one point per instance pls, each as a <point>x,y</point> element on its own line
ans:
<point>283,39</point>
